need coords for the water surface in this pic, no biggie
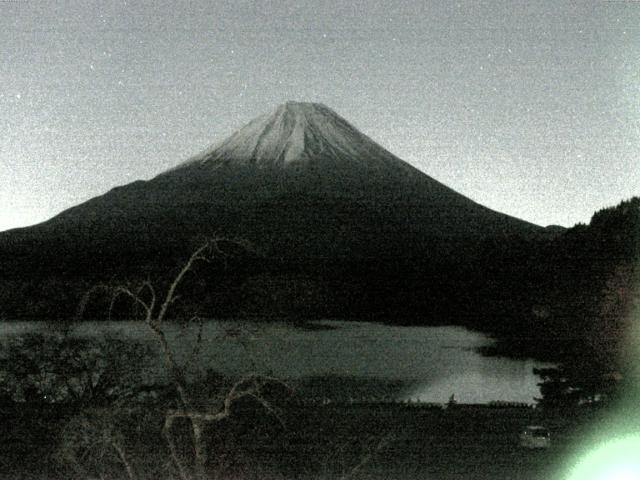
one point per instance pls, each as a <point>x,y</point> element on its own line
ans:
<point>431,363</point>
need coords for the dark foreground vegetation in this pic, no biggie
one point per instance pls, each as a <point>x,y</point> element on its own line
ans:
<point>374,441</point>
<point>72,408</point>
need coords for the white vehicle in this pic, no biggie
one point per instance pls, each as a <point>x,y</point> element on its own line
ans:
<point>535,436</point>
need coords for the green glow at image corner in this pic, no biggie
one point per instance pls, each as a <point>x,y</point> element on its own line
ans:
<point>616,460</point>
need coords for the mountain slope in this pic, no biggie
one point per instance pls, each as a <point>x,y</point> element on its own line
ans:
<point>294,173</point>
<point>305,188</point>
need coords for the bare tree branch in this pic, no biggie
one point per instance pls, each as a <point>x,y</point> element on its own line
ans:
<point>183,472</point>
<point>198,344</point>
<point>367,457</point>
<point>84,301</point>
<point>123,458</point>
<point>249,386</point>
<point>149,286</point>
<point>198,255</point>
<point>136,299</point>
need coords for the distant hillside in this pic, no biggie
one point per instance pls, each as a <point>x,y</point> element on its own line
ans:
<point>584,312</point>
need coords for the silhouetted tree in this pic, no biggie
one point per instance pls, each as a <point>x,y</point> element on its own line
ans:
<point>154,308</point>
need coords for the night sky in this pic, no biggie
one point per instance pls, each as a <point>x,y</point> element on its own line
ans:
<point>530,108</point>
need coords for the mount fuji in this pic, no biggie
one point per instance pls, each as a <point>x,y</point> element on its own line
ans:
<point>302,174</point>
<point>300,183</point>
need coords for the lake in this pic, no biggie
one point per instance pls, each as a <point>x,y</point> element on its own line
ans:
<point>426,364</point>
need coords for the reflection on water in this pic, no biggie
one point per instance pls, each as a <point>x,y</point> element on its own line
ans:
<point>433,362</point>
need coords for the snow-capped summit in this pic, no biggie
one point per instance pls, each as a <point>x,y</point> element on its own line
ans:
<point>296,134</point>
